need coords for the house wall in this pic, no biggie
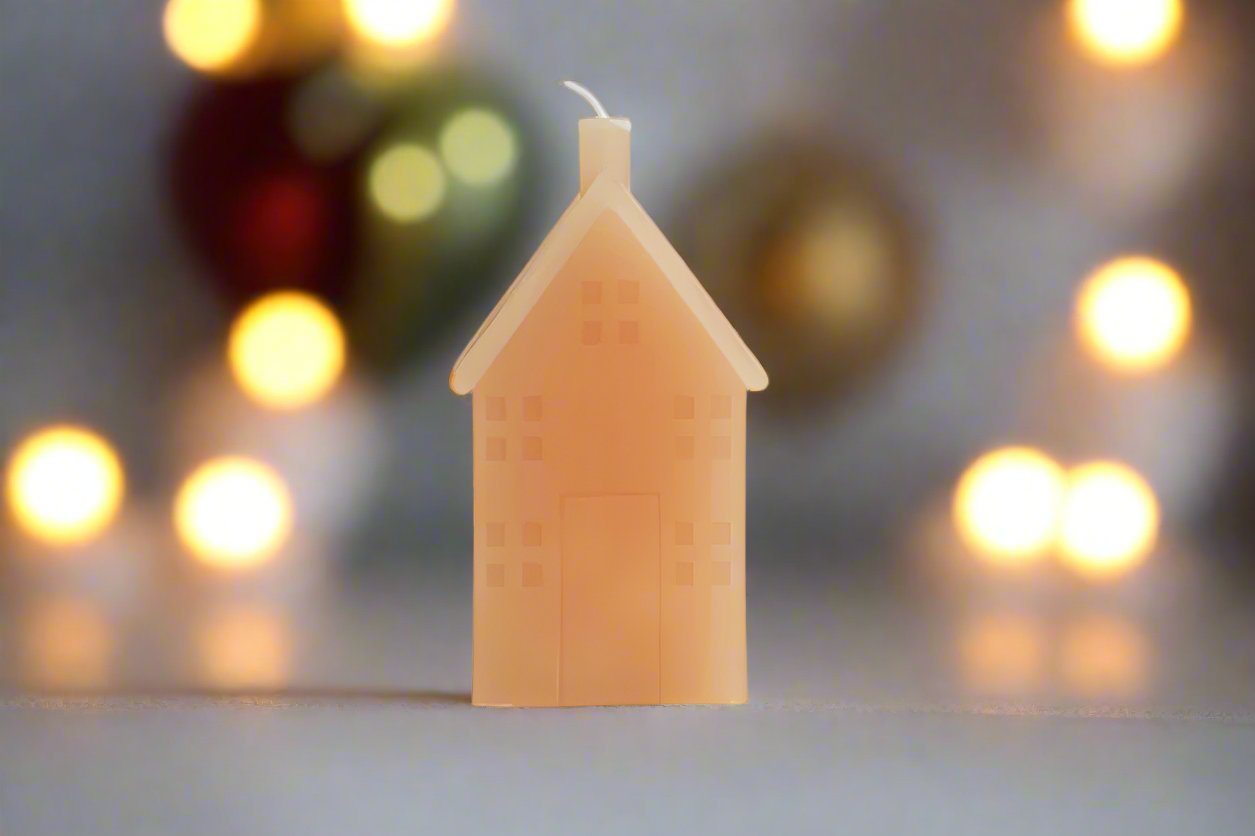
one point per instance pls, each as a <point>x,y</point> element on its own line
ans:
<point>610,386</point>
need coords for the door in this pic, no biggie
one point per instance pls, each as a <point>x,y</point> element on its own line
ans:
<point>610,600</point>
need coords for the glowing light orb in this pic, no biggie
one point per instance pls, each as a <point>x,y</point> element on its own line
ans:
<point>1126,31</point>
<point>478,146</point>
<point>67,643</point>
<point>1001,653</point>
<point>233,513</point>
<point>286,350</point>
<point>244,646</point>
<point>211,35</point>
<point>1134,314</point>
<point>1104,656</point>
<point>398,23</point>
<point>1110,519</point>
<point>64,485</point>
<point>407,183</point>
<point>1006,505</point>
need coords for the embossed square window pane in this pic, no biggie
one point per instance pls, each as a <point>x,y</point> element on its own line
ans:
<point>496,449</point>
<point>721,406</point>
<point>531,534</point>
<point>684,534</point>
<point>496,534</point>
<point>629,291</point>
<point>685,406</point>
<point>684,574</point>
<point>590,334</point>
<point>590,292</point>
<point>532,448</point>
<point>720,573</point>
<point>629,332</point>
<point>721,534</point>
<point>496,409</point>
<point>685,447</point>
<point>532,408</point>
<point>496,574</point>
<point>721,447</point>
<point>533,574</point>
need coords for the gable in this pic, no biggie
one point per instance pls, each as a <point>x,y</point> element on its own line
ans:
<point>512,309</point>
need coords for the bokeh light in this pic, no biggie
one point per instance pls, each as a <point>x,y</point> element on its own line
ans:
<point>1110,519</point>
<point>243,645</point>
<point>1126,31</point>
<point>1104,656</point>
<point>211,35</point>
<point>287,349</point>
<point>1134,314</point>
<point>66,642</point>
<point>407,183</point>
<point>478,146</point>
<point>1006,505</point>
<point>398,23</point>
<point>64,484</point>
<point>233,512</point>
<point>1001,653</point>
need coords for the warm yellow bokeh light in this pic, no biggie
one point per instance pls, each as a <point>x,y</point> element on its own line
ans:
<point>244,646</point>
<point>1134,313</point>
<point>1126,31</point>
<point>1001,653</point>
<point>66,643</point>
<point>1104,656</point>
<point>233,512</point>
<point>286,349</point>
<point>64,484</point>
<point>398,23</point>
<point>1006,505</point>
<point>407,183</point>
<point>211,35</point>
<point>478,146</point>
<point>1110,519</point>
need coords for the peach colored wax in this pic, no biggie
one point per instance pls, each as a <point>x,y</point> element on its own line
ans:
<point>609,447</point>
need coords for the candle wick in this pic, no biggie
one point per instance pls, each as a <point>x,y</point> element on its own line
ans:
<point>587,95</point>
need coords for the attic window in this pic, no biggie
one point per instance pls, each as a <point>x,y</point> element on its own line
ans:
<point>590,292</point>
<point>590,334</point>
<point>629,292</point>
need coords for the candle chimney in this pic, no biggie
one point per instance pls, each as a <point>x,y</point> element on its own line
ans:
<point>605,143</point>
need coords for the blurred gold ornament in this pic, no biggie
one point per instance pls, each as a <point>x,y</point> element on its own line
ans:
<point>1126,32</point>
<point>1001,653</point>
<point>1134,314</point>
<point>233,513</point>
<point>1007,505</point>
<point>478,146</point>
<point>243,646</point>
<point>398,23</point>
<point>1104,656</point>
<point>1110,520</point>
<point>66,643</point>
<point>212,35</point>
<point>286,350</point>
<point>64,484</point>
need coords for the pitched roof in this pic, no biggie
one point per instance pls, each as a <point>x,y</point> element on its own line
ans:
<point>604,195</point>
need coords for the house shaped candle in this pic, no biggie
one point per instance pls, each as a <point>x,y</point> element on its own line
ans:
<point>609,396</point>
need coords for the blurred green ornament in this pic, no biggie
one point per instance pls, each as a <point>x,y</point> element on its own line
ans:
<point>812,258</point>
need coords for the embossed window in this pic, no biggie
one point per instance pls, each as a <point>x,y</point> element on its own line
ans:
<point>590,334</point>
<point>532,448</point>
<point>684,534</point>
<point>531,534</point>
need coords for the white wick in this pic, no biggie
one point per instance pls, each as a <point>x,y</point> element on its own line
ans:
<point>586,94</point>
